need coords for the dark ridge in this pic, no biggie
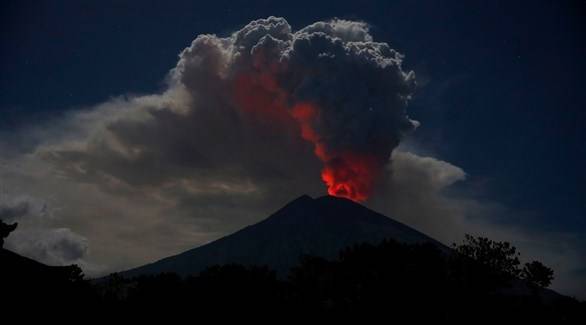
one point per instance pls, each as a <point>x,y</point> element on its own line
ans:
<point>305,226</point>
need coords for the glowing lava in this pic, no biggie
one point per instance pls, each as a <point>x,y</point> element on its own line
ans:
<point>350,176</point>
<point>346,174</point>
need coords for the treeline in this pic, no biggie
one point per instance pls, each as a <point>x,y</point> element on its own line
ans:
<point>480,281</point>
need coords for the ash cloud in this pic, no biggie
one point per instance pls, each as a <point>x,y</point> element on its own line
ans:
<point>37,237</point>
<point>22,209</point>
<point>233,103</point>
<point>52,246</point>
<point>9,213</point>
<point>358,84</point>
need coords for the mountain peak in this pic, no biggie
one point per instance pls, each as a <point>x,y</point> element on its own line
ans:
<point>320,227</point>
<point>303,200</point>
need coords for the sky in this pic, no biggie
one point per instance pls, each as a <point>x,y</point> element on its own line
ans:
<point>499,148</point>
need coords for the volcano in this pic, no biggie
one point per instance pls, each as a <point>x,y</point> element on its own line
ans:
<point>319,227</point>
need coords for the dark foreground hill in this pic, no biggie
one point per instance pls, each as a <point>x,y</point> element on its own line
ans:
<point>305,226</point>
<point>26,282</point>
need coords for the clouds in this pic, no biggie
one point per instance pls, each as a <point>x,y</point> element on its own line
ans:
<point>22,209</point>
<point>13,212</point>
<point>35,236</point>
<point>53,246</point>
<point>414,192</point>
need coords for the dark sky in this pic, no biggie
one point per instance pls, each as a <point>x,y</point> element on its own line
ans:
<point>501,84</point>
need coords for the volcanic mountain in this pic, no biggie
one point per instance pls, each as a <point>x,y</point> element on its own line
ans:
<point>319,227</point>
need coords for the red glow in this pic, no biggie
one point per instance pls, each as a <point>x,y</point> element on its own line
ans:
<point>349,175</point>
<point>305,114</point>
<point>346,174</point>
<point>259,97</point>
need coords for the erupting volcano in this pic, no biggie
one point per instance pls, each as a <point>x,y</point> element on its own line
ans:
<point>351,176</point>
<point>330,82</point>
<point>346,174</point>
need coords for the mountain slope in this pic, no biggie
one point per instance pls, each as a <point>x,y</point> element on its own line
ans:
<point>320,227</point>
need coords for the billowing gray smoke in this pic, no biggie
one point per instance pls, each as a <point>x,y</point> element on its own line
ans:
<point>253,104</point>
<point>345,92</point>
<point>34,237</point>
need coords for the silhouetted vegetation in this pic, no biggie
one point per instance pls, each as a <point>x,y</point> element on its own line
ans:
<point>537,273</point>
<point>5,230</point>
<point>497,256</point>
<point>397,281</point>
<point>501,262</point>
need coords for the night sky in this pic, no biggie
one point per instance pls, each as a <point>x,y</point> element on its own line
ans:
<point>500,94</point>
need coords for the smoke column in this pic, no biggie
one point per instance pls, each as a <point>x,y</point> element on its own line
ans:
<point>344,92</point>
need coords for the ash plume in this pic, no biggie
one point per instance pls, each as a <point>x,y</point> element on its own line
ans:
<point>345,93</point>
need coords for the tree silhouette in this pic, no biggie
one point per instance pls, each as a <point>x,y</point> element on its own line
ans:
<point>501,257</point>
<point>537,273</point>
<point>5,230</point>
<point>73,273</point>
<point>410,283</point>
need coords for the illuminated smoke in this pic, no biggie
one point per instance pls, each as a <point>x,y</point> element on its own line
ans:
<point>345,93</point>
<point>346,174</point>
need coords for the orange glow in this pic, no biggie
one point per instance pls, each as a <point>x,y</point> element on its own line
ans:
<point>346,174</point>
<point>349,175</point>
